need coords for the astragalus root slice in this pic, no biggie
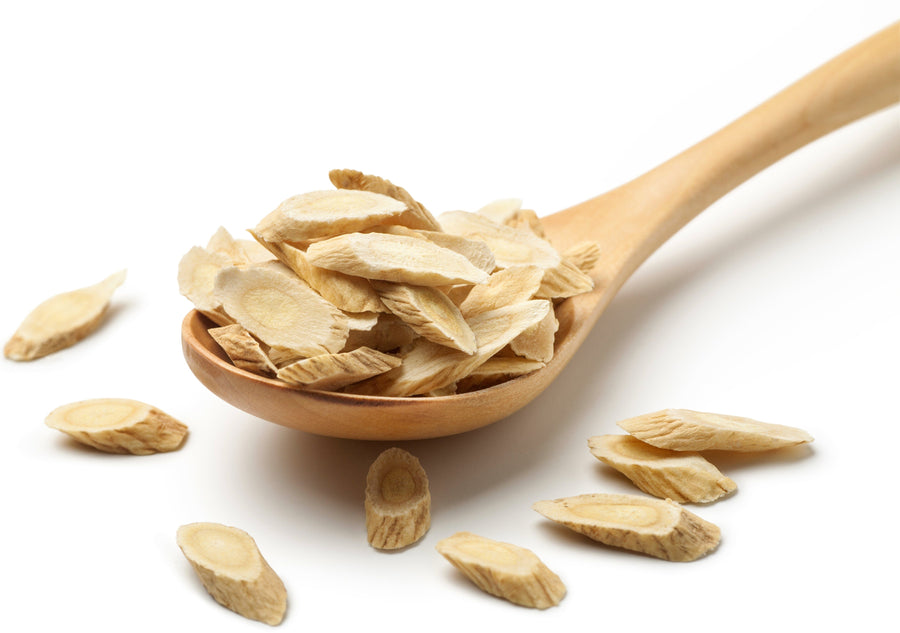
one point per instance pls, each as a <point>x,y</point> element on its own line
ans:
<point>536,343</point>
<point>417,216</point>
<point>244,351</point>
<point>119,425</point>
<point>329,372</point>
<point>503,570</point>
<point>280,311</point>
<point>62,320</point>
<point>526,219</point>
<point>564,280</point>
<point>503,287</point>
<point>501,210</point>
<point>429,313</point>
<point>394,258</point>
<point>197,272</point>
<point>389,333</point>
<point>685,477</point>
<point>233,571</point>
<point>496,370</point>
<point>398,501</point>
<point>686,430</point>
<point>655,527</point>
<point>223,242</point>
<point>584,255</point>
<point>428,366</point>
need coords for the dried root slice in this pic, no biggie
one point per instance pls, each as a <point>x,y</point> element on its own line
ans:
<point>500,211</point>
<point>223,242</point>
<point>651,526</point>
<point>497,369</point>
<point>685,430</point>
<point>428,366</point>
<point>388,334</point>
<point>197,272</point>
<point>536,343</point>
<point>476,251</point>
<point>417,216</point>
<point>62,320</point>
<point>394,258</point>
<point>280,311</point>
<point>118,425</point>
<point>329,372</point>
<point>681,476</point>
<point>233,571</point>
<point>325,213</point>
<point>503,570</point>
<point>429,313</point>
<point>511,246</point>
<point>526,219</point>
<point>244,351</point>
<point>583,255</point>
<point>564,280</point>
<point>398,502</point>
<point>504,287</point>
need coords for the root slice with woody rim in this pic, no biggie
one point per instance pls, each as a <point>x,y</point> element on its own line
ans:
<point>233,571</point>
<point>119,425</point>
<point>651,526</point>
<point>62,320</point>
<point>686,430</point>
<point>685,477</point>
<point>503,570</point>
<point>398,501</point>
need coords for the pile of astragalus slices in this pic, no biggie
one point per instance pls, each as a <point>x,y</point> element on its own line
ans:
<point>362,290</point>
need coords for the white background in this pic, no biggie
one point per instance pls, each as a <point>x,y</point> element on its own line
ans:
<point>131,131</point>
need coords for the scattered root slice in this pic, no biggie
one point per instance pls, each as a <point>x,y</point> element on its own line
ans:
<point>118,425</point>
<point>223,242</point>
<point>500,211</point>
<point>197,272</point>
<point>417,216</point>
<point>243,350</point>
<point>511,246</point>
<point>233,571</point>
<point>62,320</point>
<point>325,213</point>
<point>329,372</point>
<point>583,255</point>
<point>652,526</point>
<point>428,366</point>
<point>429,312</point>
<point>504,287</point>
<point>394,258</point>
<point>388,334</point>
<point>685,430</point>
<point>681,476</point>
<point>398,502</point>
<point>564,280</point>
<point>497,369</point>
<point>503,570</point>
<point>280,311</point>
<point>536,343</point>
<point>527,219</point>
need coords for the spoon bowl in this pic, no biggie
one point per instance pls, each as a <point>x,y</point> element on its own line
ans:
<point>629,223</point>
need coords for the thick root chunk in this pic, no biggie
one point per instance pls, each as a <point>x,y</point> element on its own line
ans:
<point>233,571</point>
<point>398,501</point>
<point>62,320</point>
<point>118,425</point>
<point>651,526</point>
<point>503,570</point>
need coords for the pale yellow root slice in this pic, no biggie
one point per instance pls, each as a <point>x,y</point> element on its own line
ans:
<point>428,366</point>
<point>119,425</point>
<point>476,251</point>
<point>526,219</point>
<point>394,258</point>
<point>429,313</point>
<point>655,527</point>
<point>501,210</point>
<point>280,311</point>
<point>685,477</point>
<point>536,343</point>
<point>417,216</point>
<point>398,501</point>
<point>223,242</point>
<point>497,369</point>
<point>197,272</point>
<point>325,213</point>
<point>584,255</point>
<point>329,372</point>
<point>564,280</point>
<point>244,351</point>
<point>233,571</point>
<point>503,570</point>
<point>256,252</point>
<point>388,334</point>
<point>685,430</point>
<point>62,320</point>
<point>362,321</point>
<point>504,287</point>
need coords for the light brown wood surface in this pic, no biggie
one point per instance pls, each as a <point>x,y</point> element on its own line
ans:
<point>629,222</point>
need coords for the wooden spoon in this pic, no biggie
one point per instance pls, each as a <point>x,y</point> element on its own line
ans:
<point>629,223</point>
